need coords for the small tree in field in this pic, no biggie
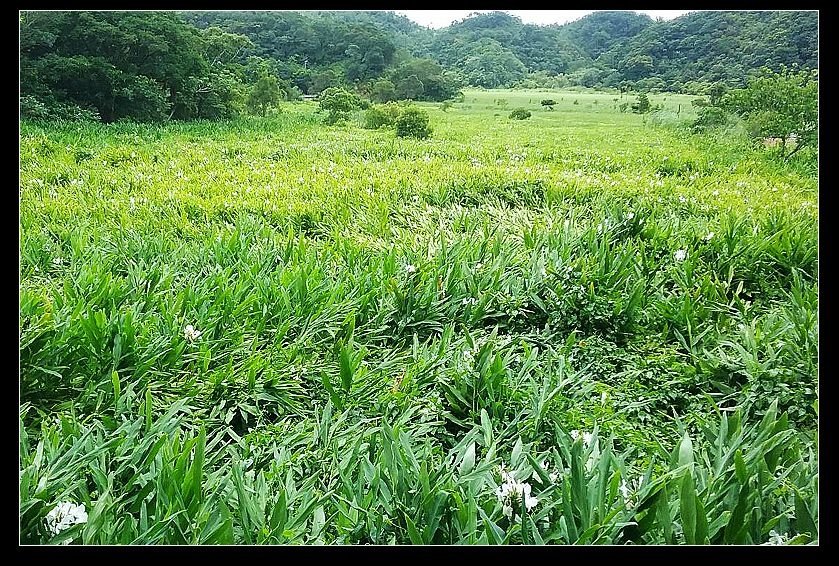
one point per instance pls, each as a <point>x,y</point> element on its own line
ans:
<point>782,106</point>
<point>549,102</point>
<point>642,104</point>
<point>264,94</point>
<point>413,123</point>
<point>339,103</point>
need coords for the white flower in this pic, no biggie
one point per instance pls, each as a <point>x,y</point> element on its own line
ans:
<point>775,539</point>
<point>682,199</point>
<point>470,301</point>
<point>410,268</point>
<point>680,255</point>
<point>57,261</point>
<point>479,265</point>
<point>575,434</point>
<point>191,334</point>
<point>716,193</point>
<point>64,515</point>
<point>512,493</point>
<point>630,216</point>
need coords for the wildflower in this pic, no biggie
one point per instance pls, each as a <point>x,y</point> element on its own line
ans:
<point>709,236</point>
<point>479,265</point>
<point>64,515</point>
<point>191,334</point>
<point>775,539</point>
<point>682,199</point>
<point>716,193</point>
<point>586,436</point>
<point>410,268</point>
<point>470,301</point>
<point>680,255</point>
<point>512,493</point>
<point>630,216</point>
<point>57,261</point>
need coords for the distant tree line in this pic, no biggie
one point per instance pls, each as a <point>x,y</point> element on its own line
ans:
<point>153,66</point>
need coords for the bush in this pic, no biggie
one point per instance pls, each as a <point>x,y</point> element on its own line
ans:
<point>520,114</point>
<point>381,115</point>
<point>549,102</point>
<point>710,117</point>
<point>35,109</point>
<point>413,123</point>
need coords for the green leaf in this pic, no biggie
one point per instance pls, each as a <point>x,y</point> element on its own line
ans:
<point>413,533</point>
<point>468,461</point>
<point>687,508</point>
<point>685,450</point>
<point>804,522</point>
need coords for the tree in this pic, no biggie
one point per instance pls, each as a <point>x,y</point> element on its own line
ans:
<point>782,105</point>
<point>264,94</point>
<point>641,104</point>
<point>382,90</point>
<point>411,88</point>
<point>339,103</point>
<point>715,93</point>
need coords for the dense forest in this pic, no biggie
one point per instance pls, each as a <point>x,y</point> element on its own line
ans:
<point>207,64</point>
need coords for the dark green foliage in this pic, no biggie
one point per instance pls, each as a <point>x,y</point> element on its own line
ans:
<point>413,123</point>
<point>549,102</point>
<point>146,66</point>
<point>382,90</point>
<point>423,79</point>
<point>702,48</point>
<point>641,104</point>
<point>520,114</point>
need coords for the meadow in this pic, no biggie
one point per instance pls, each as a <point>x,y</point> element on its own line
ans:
<point>587,327</point>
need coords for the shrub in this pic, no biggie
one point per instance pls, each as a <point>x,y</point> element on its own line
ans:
<point>381,115</point>
<point>520,114</point>
<point>34,108</point>
<point>549,102</point>
<point>413,123</point>
<point>710,117</point>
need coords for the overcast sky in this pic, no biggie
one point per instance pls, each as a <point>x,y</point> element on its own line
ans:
<point>440,18</point>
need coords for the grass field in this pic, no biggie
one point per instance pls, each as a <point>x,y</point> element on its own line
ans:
<point>275,331</point>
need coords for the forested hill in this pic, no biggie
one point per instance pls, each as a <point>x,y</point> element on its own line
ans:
<point>603,49</point>
<point>184,65</point>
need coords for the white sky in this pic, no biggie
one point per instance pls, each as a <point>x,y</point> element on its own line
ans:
<point>440,18</point>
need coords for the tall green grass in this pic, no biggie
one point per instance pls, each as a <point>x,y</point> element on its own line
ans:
<point>384,322</point>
